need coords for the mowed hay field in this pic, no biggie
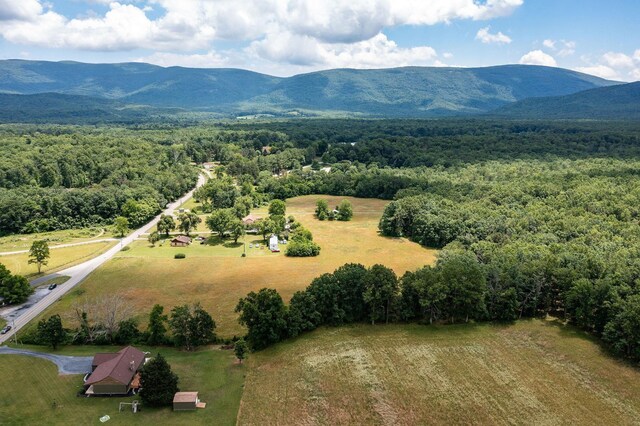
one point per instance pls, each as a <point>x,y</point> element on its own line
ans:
<point>532,372</point>
<point>217,276</point>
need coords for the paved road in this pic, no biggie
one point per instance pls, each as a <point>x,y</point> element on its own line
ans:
<point>66,364</point>
<point>79,272</point>
<point>9,253</point>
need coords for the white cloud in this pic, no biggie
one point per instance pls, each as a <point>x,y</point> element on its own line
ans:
<point>550,44</point>
<point>538,57</point>
<point>293,33</point>
<point>602,71</point>
<point>486,37</point>
<point>562,47</point>
<point>636,55</point>
<point>447,55</point>
<point>19,9</point>
<point>618,60</point>
<point>377,52</point>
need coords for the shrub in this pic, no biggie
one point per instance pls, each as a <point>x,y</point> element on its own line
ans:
<point>304,248</point>
<point>125,248</point>
<point>179,256</point>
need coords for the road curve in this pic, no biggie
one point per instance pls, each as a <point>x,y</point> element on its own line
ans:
<point>79,272</point>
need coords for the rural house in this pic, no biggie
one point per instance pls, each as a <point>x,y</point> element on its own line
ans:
<point>250,220</point>
<point>181,241</point>
<point>183,401</point>
<point>115,373</point>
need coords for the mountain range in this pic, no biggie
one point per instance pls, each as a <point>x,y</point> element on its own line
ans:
<point>60,91</point>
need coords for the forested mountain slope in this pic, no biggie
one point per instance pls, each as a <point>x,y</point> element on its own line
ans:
<point>409,91</point>
<point>616,102</point>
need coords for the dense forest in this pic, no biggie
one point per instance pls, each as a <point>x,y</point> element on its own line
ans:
<point>64,177</point>
<point>533,218</point>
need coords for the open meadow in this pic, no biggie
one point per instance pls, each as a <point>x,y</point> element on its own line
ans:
<point>61,258</point>
<point>531,372</point>
<point>36,385</point>
<point>217,276</point>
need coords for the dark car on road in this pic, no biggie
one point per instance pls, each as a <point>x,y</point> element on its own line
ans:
<point>5,330</point>
<point>52,286</point>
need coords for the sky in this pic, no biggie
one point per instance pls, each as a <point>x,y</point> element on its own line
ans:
<point>287,37</point>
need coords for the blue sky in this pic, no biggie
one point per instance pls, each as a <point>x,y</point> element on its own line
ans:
<point>285,37</point>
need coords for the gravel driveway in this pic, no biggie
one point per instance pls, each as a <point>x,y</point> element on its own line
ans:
<point>66,364</point>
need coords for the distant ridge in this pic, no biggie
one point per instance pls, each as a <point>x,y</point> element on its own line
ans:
<point>395,92</point>
<point>620,102</point>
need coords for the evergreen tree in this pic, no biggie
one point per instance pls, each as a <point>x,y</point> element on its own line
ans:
<point>156,329</point>
<point>159,384</point>
<point>50,331</point>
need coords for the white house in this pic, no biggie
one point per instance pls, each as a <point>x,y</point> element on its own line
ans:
<point>273,243</point>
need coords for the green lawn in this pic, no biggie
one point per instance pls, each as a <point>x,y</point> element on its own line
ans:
<point>35,385</point>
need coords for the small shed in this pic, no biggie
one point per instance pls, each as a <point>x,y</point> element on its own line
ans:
<point>183,401</point>
<point>273,243</point>
<point>180,241</point>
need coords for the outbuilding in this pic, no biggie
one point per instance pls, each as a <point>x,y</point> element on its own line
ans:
<point>180,241</point>
<point>184,401</point>
<point>273,243</point>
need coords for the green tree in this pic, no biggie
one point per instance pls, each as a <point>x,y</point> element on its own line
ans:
<point>322,210</point>
<point>121,225</point>
<point>380,288</point>
<point>159,384</point>
<point>240,349</point>
<point>153,238</point>
<point>622,333</point>
<point>266,227</point>
<point>39,253</point>
<point>13,288</point>
<point>156,329</point>
<point>264,315</point>
<point>467,284</point>
<point>127,332</point>
<point>345,211</point>
<point>166,224</point>
<point>50,331</point>
<point>191,326</point>
<point>188,221</point>
<point>237,230</point>
<point>277,208</point>
<point>220,221</point>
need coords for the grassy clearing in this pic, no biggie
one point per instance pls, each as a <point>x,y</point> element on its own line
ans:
<point>57,280</point>
<point>218,277</point>
<point>533,372</point>
<point>211,372</point>
<point>24,241</point>
<point>61,258</point>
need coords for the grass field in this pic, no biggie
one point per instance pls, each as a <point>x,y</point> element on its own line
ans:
<point>23,241</point>
<point>35,385</point>
<point>533,372</point>
<point>61,258</point>
<point>218,277</point>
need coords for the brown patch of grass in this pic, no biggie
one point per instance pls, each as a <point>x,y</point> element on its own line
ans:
<point>527,373</point>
